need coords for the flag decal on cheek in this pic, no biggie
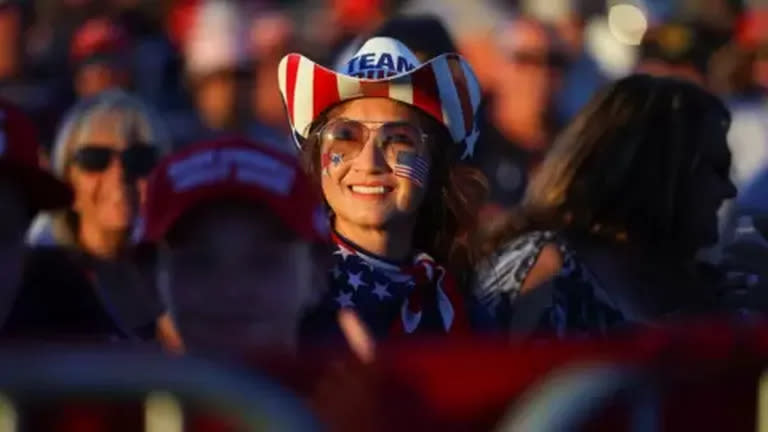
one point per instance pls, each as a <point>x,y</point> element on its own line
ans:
<point>413,167</point>
<point>328,160</point>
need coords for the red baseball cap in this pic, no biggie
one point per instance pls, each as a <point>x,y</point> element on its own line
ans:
<point>235,168</point>
<point>20,162</point>
<point>98,37</point>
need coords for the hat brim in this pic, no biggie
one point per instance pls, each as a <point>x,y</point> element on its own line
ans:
<point>303,223</point>
<point>41,189</point>
<point>444,88</point>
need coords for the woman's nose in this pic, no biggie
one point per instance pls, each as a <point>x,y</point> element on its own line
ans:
<point>115,169</point>
<point>371,158</point>
<point>117,173</point>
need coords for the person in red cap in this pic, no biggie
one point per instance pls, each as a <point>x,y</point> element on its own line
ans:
<point>25,188</point>
<point>237,226</point>
<point>97,54</point>
<point>382,137</point>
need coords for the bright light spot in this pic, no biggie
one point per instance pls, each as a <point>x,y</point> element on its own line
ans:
<point>549,11</point>
<point>614,58</point>
<point>8,416</point>
<point>762,403</point>
<point>163,413</point>
<point>627,23</point>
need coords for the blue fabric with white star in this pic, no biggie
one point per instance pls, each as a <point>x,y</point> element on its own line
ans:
<point>374,287</point>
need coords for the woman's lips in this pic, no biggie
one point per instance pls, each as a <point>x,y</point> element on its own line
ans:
<point>373,190</point>
<point>370,191</point>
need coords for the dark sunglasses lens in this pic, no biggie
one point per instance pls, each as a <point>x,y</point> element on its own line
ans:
<point>93,159</point>
<point>140,160</point>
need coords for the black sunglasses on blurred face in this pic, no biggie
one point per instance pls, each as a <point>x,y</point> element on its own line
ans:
<point>137,160</point>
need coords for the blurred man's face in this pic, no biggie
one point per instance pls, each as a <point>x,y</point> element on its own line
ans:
<point>525,82</point>
<point>94,78</point>
<point>238,280</point>
<point>216,97</point>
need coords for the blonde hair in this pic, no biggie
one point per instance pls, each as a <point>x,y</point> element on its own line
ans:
<point>136,121</point>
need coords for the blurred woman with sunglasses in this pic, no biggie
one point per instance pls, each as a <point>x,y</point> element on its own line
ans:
<point>609,228</point>
<point>381,137</point>
<point>105,149</point>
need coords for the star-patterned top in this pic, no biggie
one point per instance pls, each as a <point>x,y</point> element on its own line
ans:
<point>389,297</point>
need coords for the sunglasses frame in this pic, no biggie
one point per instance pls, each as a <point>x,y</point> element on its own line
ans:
<point>119,154</point>
<point>423,137</point>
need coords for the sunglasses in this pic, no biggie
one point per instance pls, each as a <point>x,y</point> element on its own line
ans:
<point>348,137</point>
<point>138,160</point>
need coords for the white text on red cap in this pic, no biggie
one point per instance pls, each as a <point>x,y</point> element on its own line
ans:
<point>240,165</point>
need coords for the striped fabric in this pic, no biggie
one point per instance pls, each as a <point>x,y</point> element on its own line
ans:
<point>445,88</point>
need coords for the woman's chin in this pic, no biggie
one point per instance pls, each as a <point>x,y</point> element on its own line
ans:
<point>366,219</point>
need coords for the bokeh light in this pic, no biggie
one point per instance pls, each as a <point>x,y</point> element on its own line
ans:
<point>627,23</point>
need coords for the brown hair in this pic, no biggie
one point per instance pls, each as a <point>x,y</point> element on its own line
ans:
<point>447,218</point>
<point>622,170</point>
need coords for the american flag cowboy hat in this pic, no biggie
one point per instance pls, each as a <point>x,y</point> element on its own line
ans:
<point>445,87</point>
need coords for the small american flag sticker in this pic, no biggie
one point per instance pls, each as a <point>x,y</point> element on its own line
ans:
<point>412,166</point>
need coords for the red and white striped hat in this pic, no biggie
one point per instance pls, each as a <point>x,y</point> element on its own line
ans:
<point>445,87</point>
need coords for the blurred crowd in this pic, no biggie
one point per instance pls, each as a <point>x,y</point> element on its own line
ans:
<point>172,175</point>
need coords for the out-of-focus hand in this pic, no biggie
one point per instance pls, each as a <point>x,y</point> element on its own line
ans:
<point>169,336</point>
<point>357,335</point>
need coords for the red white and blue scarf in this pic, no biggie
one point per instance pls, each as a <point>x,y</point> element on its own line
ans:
<point>392,298</point>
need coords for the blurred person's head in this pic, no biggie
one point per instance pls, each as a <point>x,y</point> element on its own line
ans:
<point>645,163</point>
<point>99,54</point>
<point>382,138</point>
<point>680,50</point>
<point>271,35</point>
<point>732,72</point>
<point>358,16</point>
<point>215,96</point>
<point>25,188</point>
<point>239,227</point>
<point>424,35</point>
<point>11,39</point>
<point>105,149</point>
<point>526,80</point>
<point>214,54</point>
<point>472,26</point>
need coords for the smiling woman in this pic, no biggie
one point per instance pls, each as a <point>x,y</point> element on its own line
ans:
<point>382,138</point>
<point>85,283</point>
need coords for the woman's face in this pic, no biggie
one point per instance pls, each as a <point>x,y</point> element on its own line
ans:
<point>711,183</point>
<point>375,179</point>
<point>107,198</point>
